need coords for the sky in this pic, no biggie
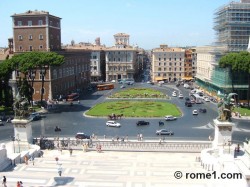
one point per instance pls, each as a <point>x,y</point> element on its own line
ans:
<point>148,22</point>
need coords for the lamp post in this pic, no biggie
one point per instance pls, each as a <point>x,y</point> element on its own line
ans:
<point>18,140</point>
<point>13,141</point>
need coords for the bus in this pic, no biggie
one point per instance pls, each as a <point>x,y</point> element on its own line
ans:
<point>105,87</point>
<point>73,97</point>
<point>197,98</point>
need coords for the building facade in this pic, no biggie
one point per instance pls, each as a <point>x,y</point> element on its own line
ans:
<point>120,59</point>
<point>41,31</point>
<point>97,59</point>
<point>232,25</point>
<point>36,31</point>
<point>168,64</point>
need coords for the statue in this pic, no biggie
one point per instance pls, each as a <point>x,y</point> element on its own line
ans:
<point>20,107</point>
<point>225,107</point>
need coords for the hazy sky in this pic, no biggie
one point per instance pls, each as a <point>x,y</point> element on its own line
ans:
<point>148,22</point>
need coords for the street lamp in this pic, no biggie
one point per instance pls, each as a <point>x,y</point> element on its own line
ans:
<point>18,140</point>
<point>13,140</point>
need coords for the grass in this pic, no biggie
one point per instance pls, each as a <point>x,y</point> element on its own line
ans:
<point>139,93</point>
<point>135,109</point>
<point>243,111</point>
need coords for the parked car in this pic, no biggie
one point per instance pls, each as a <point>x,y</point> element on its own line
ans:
<point>195,112</point>
<point>202,110</point>
<point>164,132</point>
<point>81,135</point>
<point>1,123</point>
<point>170,118</point>
<point>113,124</point>
<point>122,86</point>
<point>187,99</point>
<point>139,123</point>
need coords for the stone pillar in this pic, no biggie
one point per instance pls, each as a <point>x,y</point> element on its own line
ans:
<point>22,133</point>
<point>223,133</point>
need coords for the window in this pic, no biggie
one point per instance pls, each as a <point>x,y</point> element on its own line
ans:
<point>20,37</point>
<point>169,59</point>
<point>50,22</point>
<point>164,59</point>
<point>159,64</point>
<point>180,59</point>
<point>40,37</point>
<point>40,46</point>
<point>19,23</point>
<point>29,23</point>
<point>30,47</point>
<point>159,59</point>
<point>159,69</point>
<point>40,22</point>
<point>20,48</point>
<point>159,74</point>
<point>30,37</point>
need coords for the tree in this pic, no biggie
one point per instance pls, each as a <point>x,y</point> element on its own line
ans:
<point>30,62</point>
<point>237,62</point>
<point>5,89</point>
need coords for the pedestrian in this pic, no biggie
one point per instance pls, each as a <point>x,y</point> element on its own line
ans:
<point>26,159</point>
<point>33,160</point>
<point>141,137</point>
<point>70,151</point>
<point>21,184</point>
<point>127,138</point>
<point>60,170</point>
<point>4,181</point>
<point>138,137</point>
<point>18,184</point>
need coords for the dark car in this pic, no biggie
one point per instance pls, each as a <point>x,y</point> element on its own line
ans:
<point>35,116</point>
<point>142,123</point>
<point>187,99</point>
<point>202,110</point>
<point>81,135</point>
<point>188,104</point>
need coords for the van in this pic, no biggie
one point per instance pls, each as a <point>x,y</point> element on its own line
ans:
<point>186,86</point>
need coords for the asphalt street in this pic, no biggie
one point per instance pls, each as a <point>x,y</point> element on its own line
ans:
<point>71,120</point>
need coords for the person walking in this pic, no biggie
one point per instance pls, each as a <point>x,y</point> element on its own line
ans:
<point>4,181</point>
<point>70,151</point>
<point>18,184</point>
<point>32,160</point>
<point>60,170</point>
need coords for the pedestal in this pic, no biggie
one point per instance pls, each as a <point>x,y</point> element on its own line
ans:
<point>22,133</point>
<point>223,133</point>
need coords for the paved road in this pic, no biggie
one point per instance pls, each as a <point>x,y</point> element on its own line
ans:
<point>71,120</point>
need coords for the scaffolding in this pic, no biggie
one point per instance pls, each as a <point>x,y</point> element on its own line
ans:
<point>232,25</point>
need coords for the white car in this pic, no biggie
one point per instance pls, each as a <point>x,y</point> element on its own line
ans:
<point>174,94</point>
<point>170,118</point>
<point>180,96</point>
<point>113,81</point>
<point>195,112</point>
<point>206,99</point>
<point>113,124</point>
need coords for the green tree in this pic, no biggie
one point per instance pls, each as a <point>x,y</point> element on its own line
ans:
<point>30,62</point>
<point>238,63</point>
<point>5,89</point>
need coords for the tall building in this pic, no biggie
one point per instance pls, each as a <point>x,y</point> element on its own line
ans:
<point>41,31</point>
<point>168,64</point>
<point>120,59</point>
<point>97,58</point>
<point>36,31</point>
<point>232,25</point>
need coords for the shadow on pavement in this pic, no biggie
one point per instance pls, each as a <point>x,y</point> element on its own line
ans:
<point>68,108</point>
<point>59,181</point>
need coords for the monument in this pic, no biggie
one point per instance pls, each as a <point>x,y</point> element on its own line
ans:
<point>21,122</point>
<point>223,125</point>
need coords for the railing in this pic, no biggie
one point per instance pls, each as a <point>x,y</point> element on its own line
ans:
<point>124,145</point>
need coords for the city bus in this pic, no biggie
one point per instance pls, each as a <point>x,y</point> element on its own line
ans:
<point>197,98</point>
<point>73,97</point>
<point>105,87</point>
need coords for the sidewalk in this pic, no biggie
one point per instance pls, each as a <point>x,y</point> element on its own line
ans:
<point>114,169</point>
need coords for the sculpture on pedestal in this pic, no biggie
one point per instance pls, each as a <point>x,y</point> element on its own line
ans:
<point>225,107</point>
<point>20,107</point>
